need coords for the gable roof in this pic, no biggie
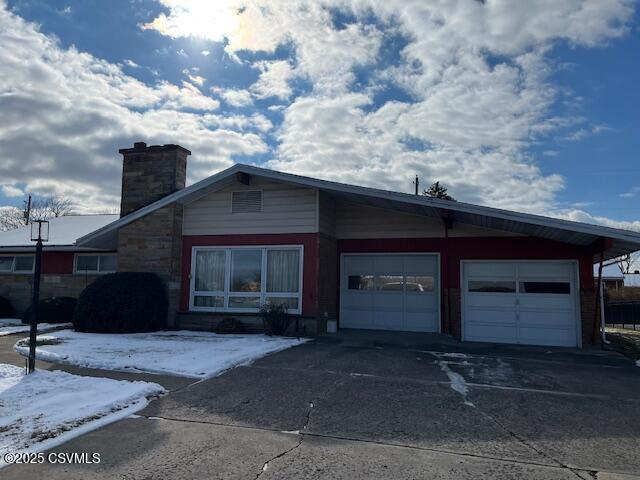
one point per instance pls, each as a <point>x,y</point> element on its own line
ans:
<point>63,232</point>
<point>609,272</point>
<point>577,233</point>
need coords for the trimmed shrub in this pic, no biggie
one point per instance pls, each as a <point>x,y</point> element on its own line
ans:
<point>53,310</point>
<point>275,318</point>
<point>6,309</point>
<point>123,302</point>
<point>230,325</point>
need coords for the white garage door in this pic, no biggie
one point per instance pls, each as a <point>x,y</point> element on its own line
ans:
<point>390,292</point>
<point>520,302</point>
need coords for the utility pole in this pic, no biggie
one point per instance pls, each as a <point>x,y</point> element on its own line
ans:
<point>417,184</point>
<point>27,212</point>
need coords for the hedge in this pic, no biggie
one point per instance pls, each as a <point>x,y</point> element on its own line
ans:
<point>123,302</point>
<point>6,309</point>
<point>53,310</point>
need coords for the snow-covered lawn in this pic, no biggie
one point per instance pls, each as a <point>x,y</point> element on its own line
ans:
<point>9,326</point>
<point>182,353</point>
<point>44,409</point>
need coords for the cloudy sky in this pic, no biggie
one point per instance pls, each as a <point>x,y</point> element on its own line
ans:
<point>532,106</point>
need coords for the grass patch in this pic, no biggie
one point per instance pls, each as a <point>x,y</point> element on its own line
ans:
<point>625,341</point>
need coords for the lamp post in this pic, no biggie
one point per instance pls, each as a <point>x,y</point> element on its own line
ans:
<point>39,234</point>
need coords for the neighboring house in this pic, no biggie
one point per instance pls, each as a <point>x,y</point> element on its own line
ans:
<point>612,277</point>
<point>632,280</point>
<point>66,268</point>
<point>369,258</point>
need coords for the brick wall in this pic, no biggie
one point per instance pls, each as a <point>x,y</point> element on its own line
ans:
<point>587,313</point>
<point>17,288</point>
<point>153,243</point>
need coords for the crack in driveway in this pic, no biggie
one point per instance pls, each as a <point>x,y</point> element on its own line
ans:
<point>458,383</point>
<point>301,433</point>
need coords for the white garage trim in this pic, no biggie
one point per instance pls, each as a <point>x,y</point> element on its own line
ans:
<point>576,294</point>
<point>438,280</point>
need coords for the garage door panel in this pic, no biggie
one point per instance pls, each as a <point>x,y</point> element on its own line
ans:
<point>358,318</point>
<point>491,300</point>
<point>420,265</point>
<point>491,333</point>
<point>550,318</point>
<point>490,269</point>
<point>420,302</point>
<point>546,302</point>
<point>404,295</point>
<point>549,270</point>
<point>419,322</point>
<point>359,265</point>
<point>357,300</point>
<point>550,336</point>
<point>388,300</point>
<point>388,320</point>
<point>541,311</point>
<point>490,316</point>
<point>391,265</point>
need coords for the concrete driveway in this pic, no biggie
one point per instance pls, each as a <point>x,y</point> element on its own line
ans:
<point>377,406</point>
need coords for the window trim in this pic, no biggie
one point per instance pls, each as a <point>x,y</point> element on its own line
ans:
<point>226,294</point>
<point>93,272</point>
<point>13,270</point>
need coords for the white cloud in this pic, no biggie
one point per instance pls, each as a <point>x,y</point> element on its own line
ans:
<point>274,80</point>
<point>130,63</point>
<point>66,113</point>
<point>634,192</point>
<point>234,97</point>
<point>11,191</point>
<point>197,79</point>
<point>578,215</point>
<point>206,53</point>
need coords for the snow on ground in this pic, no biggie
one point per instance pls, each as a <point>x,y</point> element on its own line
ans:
<point>456,381</point>
<point>9,326</point>
<point>182,353</point>
<point>44,409</point>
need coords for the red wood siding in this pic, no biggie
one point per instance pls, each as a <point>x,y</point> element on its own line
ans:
<point>310,263</point>
<point>57,263</point>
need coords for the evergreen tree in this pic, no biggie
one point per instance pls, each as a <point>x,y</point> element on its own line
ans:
<point>437,191</point>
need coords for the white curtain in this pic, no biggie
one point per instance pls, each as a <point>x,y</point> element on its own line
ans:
<point>210,270</point>
<point>283,271</point>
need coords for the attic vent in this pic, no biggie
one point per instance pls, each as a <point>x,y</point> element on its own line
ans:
<point>246,202</point>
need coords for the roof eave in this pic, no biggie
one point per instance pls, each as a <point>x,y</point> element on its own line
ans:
<point>195,191</point>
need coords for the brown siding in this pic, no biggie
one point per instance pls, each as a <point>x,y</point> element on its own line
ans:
<point>362,221</point>
<point>327,277</point>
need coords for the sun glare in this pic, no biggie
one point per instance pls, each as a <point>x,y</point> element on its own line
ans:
<point>208,20</point>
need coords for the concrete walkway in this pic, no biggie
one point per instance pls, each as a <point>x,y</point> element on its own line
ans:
<point>375,405</point>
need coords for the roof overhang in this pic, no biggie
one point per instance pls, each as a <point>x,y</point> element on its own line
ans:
<point>612,242</point>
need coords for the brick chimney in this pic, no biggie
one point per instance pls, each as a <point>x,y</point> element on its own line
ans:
<point>153,243</point>
<point>150,173</point>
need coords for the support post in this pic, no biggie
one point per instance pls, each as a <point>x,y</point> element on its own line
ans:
<point>596,313</point>
<point>33,332</point>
